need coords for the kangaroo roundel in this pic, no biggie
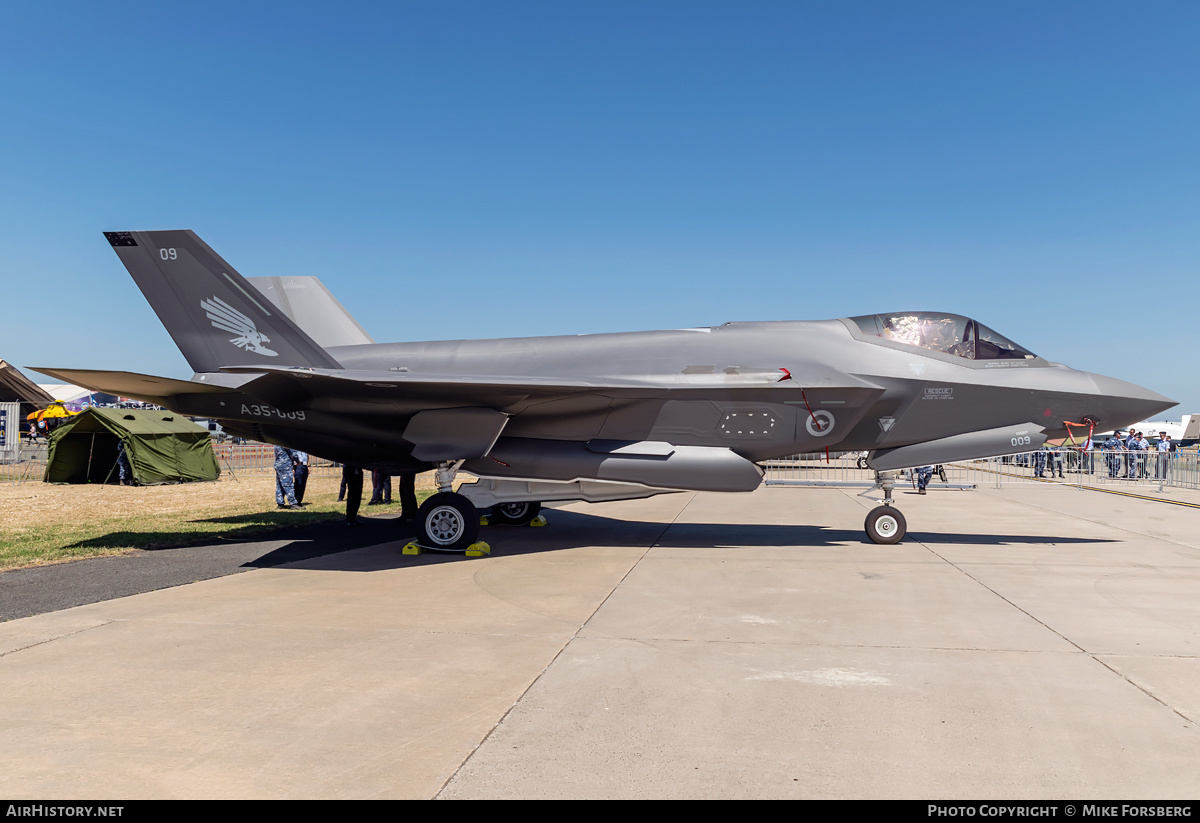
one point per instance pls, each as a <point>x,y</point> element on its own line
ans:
<point>819,423</point>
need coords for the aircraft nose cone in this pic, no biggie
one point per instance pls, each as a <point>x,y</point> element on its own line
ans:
<point>1120,403</point>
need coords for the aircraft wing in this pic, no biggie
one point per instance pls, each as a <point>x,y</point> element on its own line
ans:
<point>393,392</point>
<point>146,387</point>
<point>346,390</point>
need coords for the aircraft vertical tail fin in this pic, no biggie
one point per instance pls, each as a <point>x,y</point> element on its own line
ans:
<point>213,314</point>
<point>313,308</point>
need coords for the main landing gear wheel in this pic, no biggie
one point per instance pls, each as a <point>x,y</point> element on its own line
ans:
<point>885,525</point>
<point>447,522</point>
<point>515,514</point>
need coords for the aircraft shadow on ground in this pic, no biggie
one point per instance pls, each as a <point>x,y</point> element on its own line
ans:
<point>946,538</point>
<point>305,541</point>
<point>573,530</point>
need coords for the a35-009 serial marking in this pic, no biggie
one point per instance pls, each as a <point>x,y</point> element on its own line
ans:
<point>255,410</point>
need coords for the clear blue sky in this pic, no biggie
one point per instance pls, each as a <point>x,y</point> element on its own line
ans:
<point>490,169</point>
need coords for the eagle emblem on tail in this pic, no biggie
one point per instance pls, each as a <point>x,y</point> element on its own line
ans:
<point>226,317</point>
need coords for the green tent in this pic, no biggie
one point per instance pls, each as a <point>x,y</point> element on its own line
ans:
<point>163,447</point>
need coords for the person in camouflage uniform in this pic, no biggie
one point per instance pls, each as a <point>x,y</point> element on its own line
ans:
<point>285,493</point>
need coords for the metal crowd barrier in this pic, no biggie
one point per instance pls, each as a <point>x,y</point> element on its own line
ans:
<point>252,459</point>
<point>247,459</point>
<point>1072,466</point>
<point>850,469</point>
<point>30,464</point>
<point>1119,468</point>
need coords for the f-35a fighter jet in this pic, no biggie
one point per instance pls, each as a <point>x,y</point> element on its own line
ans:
<point>602,416</point>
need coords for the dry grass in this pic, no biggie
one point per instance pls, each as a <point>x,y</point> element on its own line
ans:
<point>44,523</point>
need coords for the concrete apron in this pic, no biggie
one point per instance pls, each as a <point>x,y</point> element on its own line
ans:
<point>1020,643</point>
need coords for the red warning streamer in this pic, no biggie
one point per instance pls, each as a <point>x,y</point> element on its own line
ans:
<point>1087,421</point>
<point>815,421</point>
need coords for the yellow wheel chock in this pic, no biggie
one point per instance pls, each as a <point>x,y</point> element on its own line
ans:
<point>479,549</point>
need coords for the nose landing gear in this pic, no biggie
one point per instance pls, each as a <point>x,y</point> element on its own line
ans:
<point>885,524</point>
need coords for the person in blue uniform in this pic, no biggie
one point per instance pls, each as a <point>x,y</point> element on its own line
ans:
<point>285,493</point>
<point>124,470</point>
<point>1112,454</point>
<point>300,476</point>
<point>1039,463</point>
<point>1131,456</point>
<point>1164,447</point>
<point>408,497</point>
<point>352,483</point>
<point>924,473</point>
<point>381,489</point>
<point>1143,454</point>
<point>1054,460</point>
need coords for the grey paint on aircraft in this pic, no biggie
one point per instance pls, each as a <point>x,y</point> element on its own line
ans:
<point>313,308</point>
<point>910,388</point>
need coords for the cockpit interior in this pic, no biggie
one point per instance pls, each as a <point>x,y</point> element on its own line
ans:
<point>946,333</point>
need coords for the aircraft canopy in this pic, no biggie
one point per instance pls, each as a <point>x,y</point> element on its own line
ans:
<point>946,333</point>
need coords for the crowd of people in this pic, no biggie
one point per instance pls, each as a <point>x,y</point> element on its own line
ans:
<point>1126,455</point>
<point>291,478</point>
<point>1130,456</point>
<point>381,493</point>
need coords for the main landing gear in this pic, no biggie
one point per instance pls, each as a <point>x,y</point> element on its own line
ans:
<point>885,524</point>
<point>515,514</point>
<point>447,521</point>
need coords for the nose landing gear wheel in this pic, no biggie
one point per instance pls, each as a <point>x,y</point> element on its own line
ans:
<point>885,525</point>
<point>447,522</point>
<point>515,514</point>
